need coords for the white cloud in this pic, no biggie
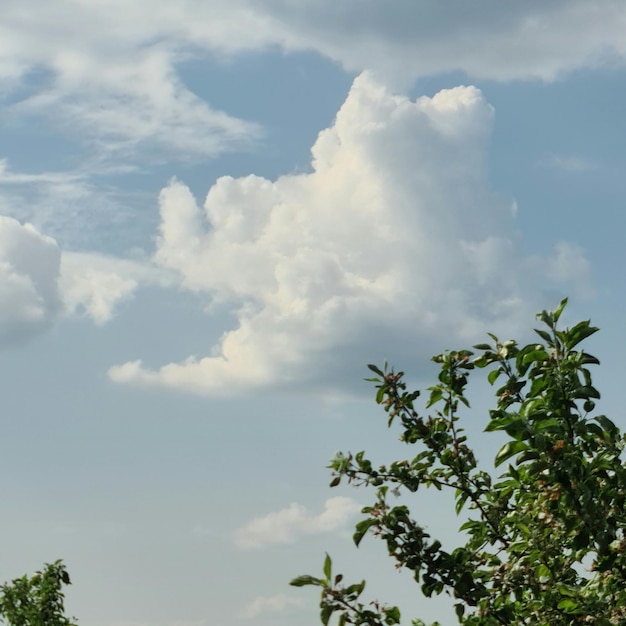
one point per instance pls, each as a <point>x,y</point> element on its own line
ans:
<point>110,70</point>
<point>269,604</point>
<point>29,272</point>
<point>393,242</point>
<point>138,43</point>
<point>495,40</point>
<point>110,75</point>
<point>286,525</point>
<point>71,207</point>
<point>38,282</point>
<point>96,284</point>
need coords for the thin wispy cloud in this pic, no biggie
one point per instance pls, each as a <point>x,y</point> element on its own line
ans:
<point>113,87</point>
<point>74,206</point>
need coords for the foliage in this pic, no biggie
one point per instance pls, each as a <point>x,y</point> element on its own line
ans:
<point>36,601</point>
<point>544,540</point>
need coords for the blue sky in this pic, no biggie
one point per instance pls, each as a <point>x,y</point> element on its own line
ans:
<point>213,215</point>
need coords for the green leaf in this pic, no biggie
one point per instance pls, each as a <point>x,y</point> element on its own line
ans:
<point>327,567</point>
<point>581,331</point>
<point>528,455</point>
<point>587,392</point>
<point>482,346</point>
<point>376,370</point>
<point>546,318</point>
<point>607,424</point>
<point>569,591</point>
<point>508,450</point>
<point>550,424</point>
<point>589,359</point>
<point>493,375</point>
<point>356,590</point>
<point>543,573</point>
<point>380,394</point>
<point>460,501</point>
<point>556,314</point>
<point>545,336</point>
<point>436,393</point>
<point>535,355</point>
<point>569,606</point>
<point>361,529</point>
<point>392,615</point>
<point>304,580</point>
<point>325,613</point>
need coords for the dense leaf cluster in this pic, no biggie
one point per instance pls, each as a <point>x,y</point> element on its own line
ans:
<point>36,600</point>
<point>545,539</point>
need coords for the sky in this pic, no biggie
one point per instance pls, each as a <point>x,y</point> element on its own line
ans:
<point>213,215</point>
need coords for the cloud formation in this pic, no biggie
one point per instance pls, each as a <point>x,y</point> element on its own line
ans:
<point>29,272</point>
<point>109,77</point>
<point>95,284</point>
<point>108,70</point>
<point>407,39</point>
<point>70,206</point>
<point>39,282</point>
<point>287,525</point>
<point>393,243</point>
<point>112,69</point>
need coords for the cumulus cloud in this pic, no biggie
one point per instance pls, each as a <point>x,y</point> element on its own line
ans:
<point>269,604</point>
<point>29,273</point>
<point>393,243</point>
<point>38,282</point>
<point>96,284</point>
<point>287,525</point>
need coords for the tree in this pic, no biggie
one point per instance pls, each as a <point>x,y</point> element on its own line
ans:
<point>544,540</point>
<point>36,601</point>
